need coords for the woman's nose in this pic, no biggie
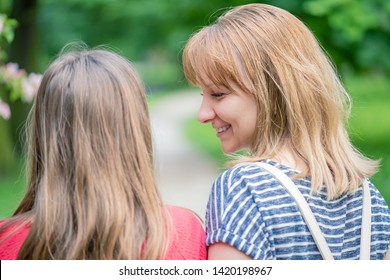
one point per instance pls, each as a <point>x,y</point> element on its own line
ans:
<point>206,112</point>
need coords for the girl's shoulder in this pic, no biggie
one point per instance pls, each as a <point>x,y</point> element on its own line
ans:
<point>180,215</point>
<point>187,235</point>
<point>11,239</point>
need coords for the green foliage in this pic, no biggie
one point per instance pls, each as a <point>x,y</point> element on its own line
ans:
<point>5,6</point>
<point>351,18</point>
<point>15,85</point>
<point>356,33</point>
<point>7,28</point>
<point>147,31</point>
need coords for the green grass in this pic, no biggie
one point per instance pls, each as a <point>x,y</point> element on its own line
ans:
<point>370,124</point>
<point>12,189</point>
<point>369,127</point>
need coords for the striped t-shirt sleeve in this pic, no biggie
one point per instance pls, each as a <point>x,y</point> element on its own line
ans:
<point>229,209</point>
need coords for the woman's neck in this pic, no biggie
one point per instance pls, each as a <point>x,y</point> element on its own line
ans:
<point>288,157</point>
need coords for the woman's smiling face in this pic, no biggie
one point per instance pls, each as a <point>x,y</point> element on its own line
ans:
<point>233,114</point>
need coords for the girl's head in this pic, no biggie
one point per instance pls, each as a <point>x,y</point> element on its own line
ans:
<point>266,52</point>
<point>91,188</point>
<point>90,113</point>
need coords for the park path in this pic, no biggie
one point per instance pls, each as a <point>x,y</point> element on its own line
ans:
<point>184,175</point>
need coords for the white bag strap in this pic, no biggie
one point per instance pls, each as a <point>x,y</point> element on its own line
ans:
<point>311,221</point>
<point>365,239</point>
<point>307,214</point>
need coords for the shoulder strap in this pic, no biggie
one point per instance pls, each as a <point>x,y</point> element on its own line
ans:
<point>307,214</point>
<point>365,240</point>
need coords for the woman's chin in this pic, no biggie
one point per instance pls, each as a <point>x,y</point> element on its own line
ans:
<point>228,150</point>
<point>231,150</point>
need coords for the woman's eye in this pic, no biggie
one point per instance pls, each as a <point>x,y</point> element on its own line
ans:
<point>217,94</point>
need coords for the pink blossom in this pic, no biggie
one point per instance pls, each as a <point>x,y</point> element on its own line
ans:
<point>5,111</point>
<point>12,70</point>
<point>30,86</point>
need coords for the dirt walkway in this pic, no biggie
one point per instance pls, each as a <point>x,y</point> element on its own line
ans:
<point>184,175</point>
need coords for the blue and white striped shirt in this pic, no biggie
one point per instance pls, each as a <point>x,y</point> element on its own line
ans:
<point>249,210</point>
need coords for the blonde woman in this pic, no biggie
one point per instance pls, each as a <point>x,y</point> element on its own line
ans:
<point>91,190</point>
<point>269,88</point>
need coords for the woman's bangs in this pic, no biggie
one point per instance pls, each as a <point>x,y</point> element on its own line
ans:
<point>210,68</point>
<point>205,60</point>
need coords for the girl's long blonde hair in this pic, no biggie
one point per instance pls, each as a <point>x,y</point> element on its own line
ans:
<point>91,188</point>
<point>267,52</point>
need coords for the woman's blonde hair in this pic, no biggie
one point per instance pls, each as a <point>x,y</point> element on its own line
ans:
<point>91,188</point>
<point>267,52</point>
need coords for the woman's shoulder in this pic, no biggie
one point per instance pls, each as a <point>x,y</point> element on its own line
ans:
<point>254,171</point>
<point>249,181</point>
<point>244,174</point>
<point>187,235</point>
<point>243,169</point>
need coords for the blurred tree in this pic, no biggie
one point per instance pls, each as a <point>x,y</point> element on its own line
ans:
<point>7,26</point>
<point>24,47</point>
<point>16,86</point>
<point>23,51</point>
<point>150,30</point>
<point>357,33</point>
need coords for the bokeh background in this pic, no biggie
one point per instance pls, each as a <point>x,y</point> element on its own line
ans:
<point>152,34</point>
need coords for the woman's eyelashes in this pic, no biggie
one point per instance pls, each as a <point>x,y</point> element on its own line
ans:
<point>217,94</point>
